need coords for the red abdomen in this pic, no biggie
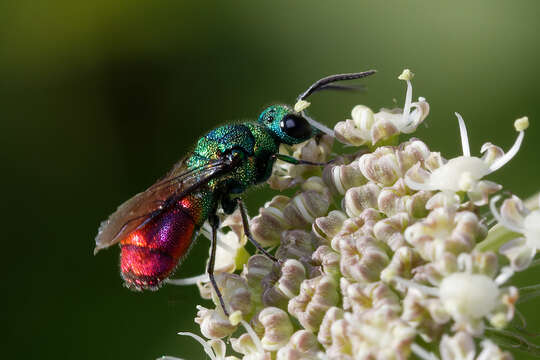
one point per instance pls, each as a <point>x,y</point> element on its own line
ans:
<point>150,254</point>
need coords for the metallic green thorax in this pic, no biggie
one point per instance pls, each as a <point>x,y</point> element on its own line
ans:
<point>258,142</point>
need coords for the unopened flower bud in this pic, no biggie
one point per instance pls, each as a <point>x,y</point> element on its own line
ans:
<point>277,328</point>
<point>302,346</point>
<point>214,324</point>
<point>328,226</point>
<point>340,178</point>
<point>390,230</point>
<point>332,315</point>
<point>297,244</point>
<point>362,258</point>
<point>266,227</point>
<point>316,296</point>
<point>404,260</point>
<point>328,260</point>
<point>381,166</point>
<point>292,275</point>
<point>360,198</point>
<point>305,207</point>
<point>235,292</point>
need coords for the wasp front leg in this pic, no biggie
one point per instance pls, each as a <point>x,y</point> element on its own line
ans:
<point>295,161</point>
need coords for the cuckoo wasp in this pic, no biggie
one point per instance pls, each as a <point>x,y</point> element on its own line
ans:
<point>156,227</point>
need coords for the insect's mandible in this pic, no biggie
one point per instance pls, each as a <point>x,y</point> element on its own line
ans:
<point>156,227</point>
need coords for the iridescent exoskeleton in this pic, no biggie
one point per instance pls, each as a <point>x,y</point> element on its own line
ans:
<point>155,228</point>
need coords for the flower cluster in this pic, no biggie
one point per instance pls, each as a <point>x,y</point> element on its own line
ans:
<point>382,254</point>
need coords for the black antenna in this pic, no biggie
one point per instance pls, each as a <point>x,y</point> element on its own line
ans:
<point>323,84</point>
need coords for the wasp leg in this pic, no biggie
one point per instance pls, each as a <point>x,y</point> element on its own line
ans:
<point>295,161</point>
<point>214,222</point>
<point>245,223</point>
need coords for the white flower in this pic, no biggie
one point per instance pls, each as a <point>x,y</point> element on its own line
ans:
<point>461,347</point>
<point>380,250</point>
<point>367,127</point>
<point>468,297</point>
<point>464,173</point>
<point>517,218</point>
<point>215,349</point>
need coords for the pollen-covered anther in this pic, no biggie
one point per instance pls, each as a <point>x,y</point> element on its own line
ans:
<point>301,105</point>
<point>521,124</point>
<point>316,296</point>
<point>303,345</point>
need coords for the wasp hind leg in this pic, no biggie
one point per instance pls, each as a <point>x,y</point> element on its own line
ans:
<point>214,223</point>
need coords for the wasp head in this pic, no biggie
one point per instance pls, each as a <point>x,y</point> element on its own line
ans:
<point>285,124</point>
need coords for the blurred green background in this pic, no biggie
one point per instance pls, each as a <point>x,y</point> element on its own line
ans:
<point>99,98</point>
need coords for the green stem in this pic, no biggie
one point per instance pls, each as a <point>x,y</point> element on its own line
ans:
<point>497,237</point>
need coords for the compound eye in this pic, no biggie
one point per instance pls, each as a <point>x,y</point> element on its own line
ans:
<point>296,126</point>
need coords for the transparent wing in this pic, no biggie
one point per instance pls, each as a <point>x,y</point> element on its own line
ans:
<point>145,205</point>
